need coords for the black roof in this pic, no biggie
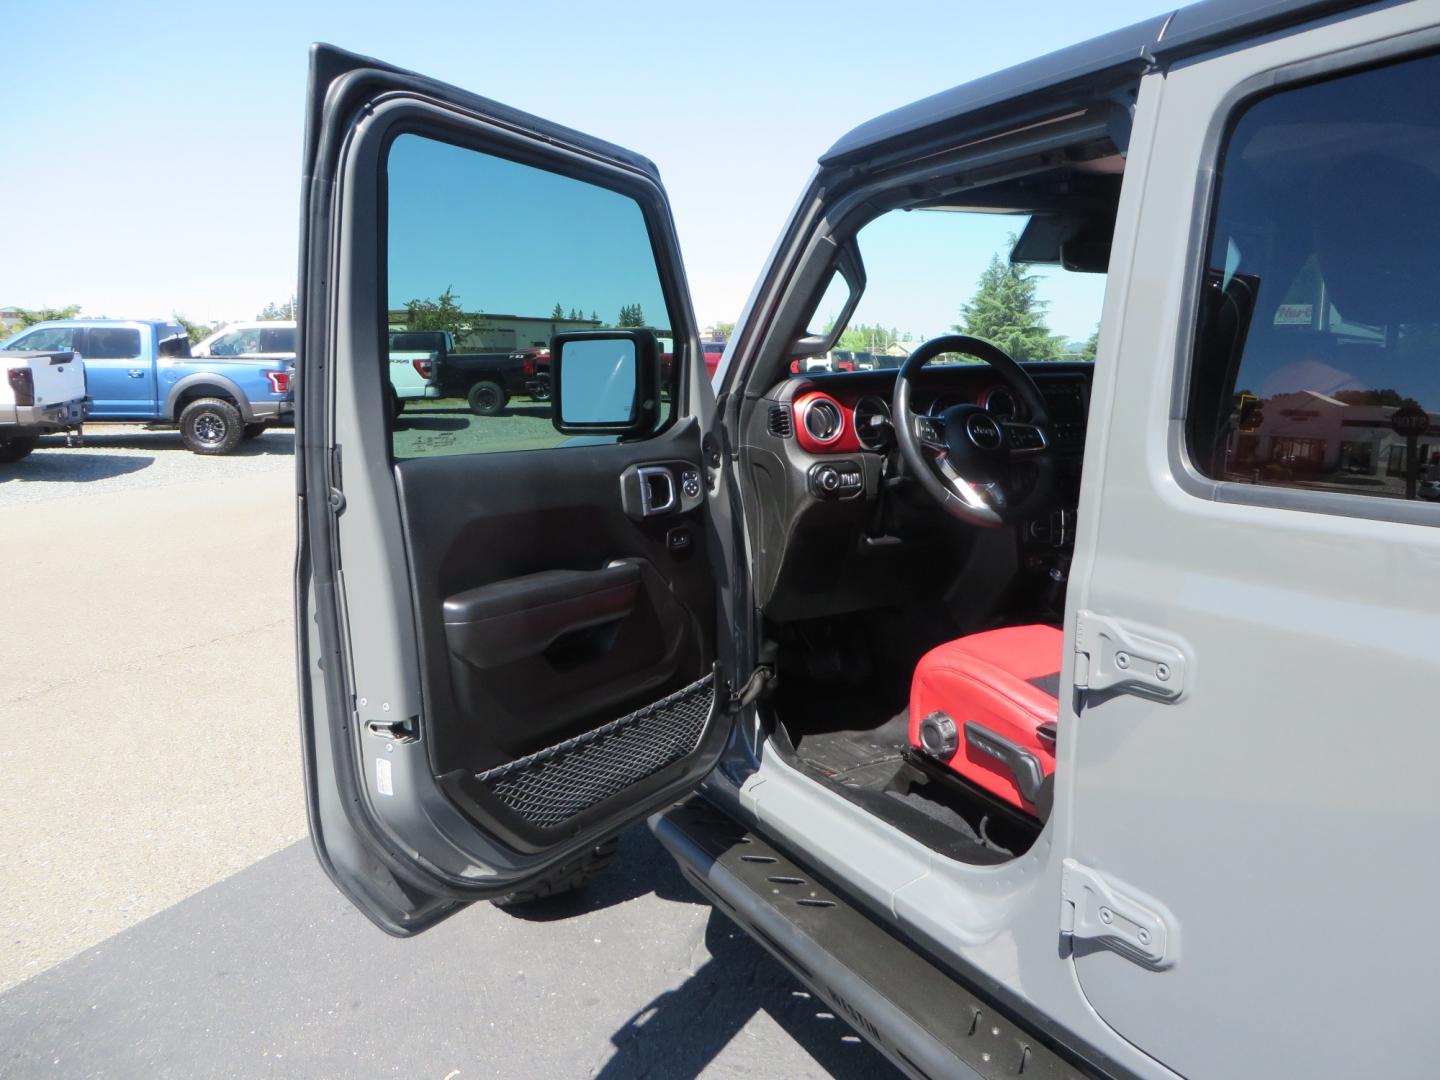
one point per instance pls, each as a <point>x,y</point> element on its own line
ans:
<point>1167,36</point>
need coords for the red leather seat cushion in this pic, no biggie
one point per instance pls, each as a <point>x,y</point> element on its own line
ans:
<point>991,679</point>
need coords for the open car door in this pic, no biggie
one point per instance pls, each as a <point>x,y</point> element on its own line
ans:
<point>507,623</point>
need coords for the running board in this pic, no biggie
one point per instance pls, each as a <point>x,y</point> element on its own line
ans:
<point>923,1020</point>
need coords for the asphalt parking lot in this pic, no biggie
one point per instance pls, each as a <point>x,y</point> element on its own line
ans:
<point>163,914</point>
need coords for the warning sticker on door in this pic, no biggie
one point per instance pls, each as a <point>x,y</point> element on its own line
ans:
<point>382,776</point>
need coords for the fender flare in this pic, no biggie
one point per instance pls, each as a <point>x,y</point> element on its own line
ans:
<point>199,379</point>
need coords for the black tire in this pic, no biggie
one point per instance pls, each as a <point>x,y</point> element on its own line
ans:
<point>211,426</point>
<point>540,389</point>
<point>397,406</point>
<point>487,398</point>
<point>15,447</point>
<point>252,430</point>
<point>565,878</point>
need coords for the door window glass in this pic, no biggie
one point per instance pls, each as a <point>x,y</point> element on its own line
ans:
<point>236,343</point>
<point>111,343</point>
<point>1317,361</point>
<point>50,339</point>
<point>278,339</point>
<point>502,256</point>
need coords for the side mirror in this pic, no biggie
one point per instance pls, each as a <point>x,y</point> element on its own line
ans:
<point>605,382</point>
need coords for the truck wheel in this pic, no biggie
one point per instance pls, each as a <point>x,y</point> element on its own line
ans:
<point>565,878</point>
<point>540,391</point>
<point>487,398</point>
<point>211,426</point>
<point>251,430</point>
<point>397,404</point>
<point>15,447</point>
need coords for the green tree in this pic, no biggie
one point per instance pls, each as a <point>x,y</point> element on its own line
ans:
<point>863,338</point>
<point>442,313</point>
<point>1005,312</point>
<point>30,316</point>
<point>195,331</point>
<point>723,330</point>
<point>559,312</point>
<point>1087,350</point>
<point>631,315</point>
<point>278,312</point>
<point>594,316</point>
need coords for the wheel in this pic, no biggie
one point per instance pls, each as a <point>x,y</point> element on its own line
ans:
<point>487,398</point>
<point>251,430</point>
<point>15,447</point>
<point>565,878</point>
<point>211,426</point>
<point>540,391</point>
<point>397,406</point>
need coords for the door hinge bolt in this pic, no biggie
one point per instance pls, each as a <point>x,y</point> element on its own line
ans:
<point>1162,672</point>
<point>1122,660</point>
<point>1106,915</point>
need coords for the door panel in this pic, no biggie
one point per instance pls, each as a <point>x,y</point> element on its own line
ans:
<point>119,378</point>
<point>511,657</point>
<point>594,613</point>
<point>1259,765</point>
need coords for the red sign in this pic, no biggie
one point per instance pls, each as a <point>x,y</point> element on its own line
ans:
<point>1410,421</point>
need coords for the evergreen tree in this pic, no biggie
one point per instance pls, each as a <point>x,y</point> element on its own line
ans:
<point>631,315</point>
<point>1005,312</point>
<point>559,312</point>
<point>277,312</point>
<point>1087,351</point>
<point>593,316</point>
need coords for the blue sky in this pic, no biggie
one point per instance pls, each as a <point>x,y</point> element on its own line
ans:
<point>152,149</point>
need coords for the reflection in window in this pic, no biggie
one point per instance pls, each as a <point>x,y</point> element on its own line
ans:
<point>1318,347</point>
<point>492,259</point>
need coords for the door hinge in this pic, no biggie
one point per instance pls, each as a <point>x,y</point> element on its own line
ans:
<point>761,682</point>
<point>1100,909</point>
<point>1111,656</point>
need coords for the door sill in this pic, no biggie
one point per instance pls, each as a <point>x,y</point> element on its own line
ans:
<point>919,1016</point>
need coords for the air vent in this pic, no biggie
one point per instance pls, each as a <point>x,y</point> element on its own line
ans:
<point>823,420</point>
<point>780,425</point>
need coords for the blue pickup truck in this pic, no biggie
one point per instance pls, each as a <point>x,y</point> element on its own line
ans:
<point>141,371</point>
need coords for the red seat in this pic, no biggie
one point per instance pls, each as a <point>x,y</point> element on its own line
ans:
<point>986,706</point>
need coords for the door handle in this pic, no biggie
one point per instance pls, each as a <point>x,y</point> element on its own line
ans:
<point>136,373</point>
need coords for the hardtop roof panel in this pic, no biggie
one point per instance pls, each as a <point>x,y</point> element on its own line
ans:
<point>1166,36</point>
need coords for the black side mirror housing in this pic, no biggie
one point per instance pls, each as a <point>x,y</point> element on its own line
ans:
<point>605,382</point>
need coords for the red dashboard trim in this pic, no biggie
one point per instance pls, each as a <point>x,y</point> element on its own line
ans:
<point>844,441</point>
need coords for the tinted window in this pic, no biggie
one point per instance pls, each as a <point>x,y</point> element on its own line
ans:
<point>111,343</point>
<point>280,339</point>
<point>501,255</point>
<point>51,339</point>
<point>1318,345</point>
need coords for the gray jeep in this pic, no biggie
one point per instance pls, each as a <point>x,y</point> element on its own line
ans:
<point>1044,703</point>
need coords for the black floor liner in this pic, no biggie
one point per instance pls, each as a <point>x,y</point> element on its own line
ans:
<point>869,767</point>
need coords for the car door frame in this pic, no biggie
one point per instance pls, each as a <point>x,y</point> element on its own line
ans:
<point>410,862</point>
<point>1118,865</point>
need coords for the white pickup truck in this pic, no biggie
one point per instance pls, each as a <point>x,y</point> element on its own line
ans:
<point>43,392</point>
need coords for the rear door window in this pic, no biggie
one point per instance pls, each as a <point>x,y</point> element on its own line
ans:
<point>279,339</point>
<point>1317,357</point>
<point>111,343</point>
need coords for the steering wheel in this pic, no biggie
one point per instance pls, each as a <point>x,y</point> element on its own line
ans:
<point>966,459</point>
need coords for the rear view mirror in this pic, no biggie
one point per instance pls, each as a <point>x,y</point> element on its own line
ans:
<point>605,382</point>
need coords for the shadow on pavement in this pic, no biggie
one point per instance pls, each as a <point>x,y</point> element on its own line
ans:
<point>71,466</point>
<point>681,1032</point>
<point>277,441</point>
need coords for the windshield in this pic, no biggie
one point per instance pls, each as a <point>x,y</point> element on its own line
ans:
<point>938,272</point>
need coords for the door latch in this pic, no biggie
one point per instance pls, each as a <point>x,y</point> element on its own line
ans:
<point>1111,656</point>
<point>1096,908</point>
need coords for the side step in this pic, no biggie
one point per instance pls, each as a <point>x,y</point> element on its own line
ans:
<point>918,1016</point>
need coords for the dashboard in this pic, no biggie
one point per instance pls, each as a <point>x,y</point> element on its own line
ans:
<point>839,528</point>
